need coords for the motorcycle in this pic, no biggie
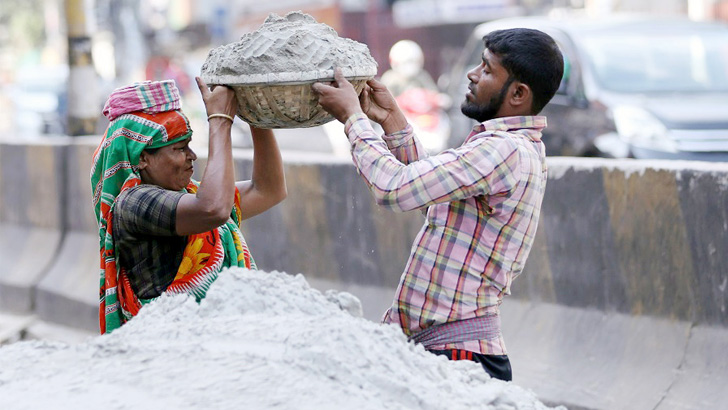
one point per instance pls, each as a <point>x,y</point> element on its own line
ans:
<point>425,111</point>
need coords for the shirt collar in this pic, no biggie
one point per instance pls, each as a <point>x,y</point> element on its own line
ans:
<point>534,122</point>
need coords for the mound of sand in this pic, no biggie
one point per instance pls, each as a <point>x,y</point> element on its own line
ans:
<point>289,49</point>
<point>259,340</point>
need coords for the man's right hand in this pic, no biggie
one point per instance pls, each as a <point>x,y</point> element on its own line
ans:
<point>338,99</point>
<point>381,107</point>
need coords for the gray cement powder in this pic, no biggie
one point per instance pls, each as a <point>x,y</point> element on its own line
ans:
<point>259,340</point>
<point>294,48</point>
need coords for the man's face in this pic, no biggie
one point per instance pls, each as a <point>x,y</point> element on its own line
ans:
<point>488,87</point>
<point>169,167</point>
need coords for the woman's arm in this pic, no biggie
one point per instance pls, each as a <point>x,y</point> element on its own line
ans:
<point>210,207</point>
<point>268,184</point>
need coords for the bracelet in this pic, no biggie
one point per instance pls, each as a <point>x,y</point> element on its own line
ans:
<point>219,115</point>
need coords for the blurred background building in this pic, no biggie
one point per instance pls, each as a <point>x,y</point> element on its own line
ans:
<point>133,40</point>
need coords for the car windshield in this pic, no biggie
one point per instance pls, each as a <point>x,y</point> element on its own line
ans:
<point>676,61</point>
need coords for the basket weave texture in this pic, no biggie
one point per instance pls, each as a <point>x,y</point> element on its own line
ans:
<point>283,105</point>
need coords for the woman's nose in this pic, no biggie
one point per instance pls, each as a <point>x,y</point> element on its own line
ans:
<point>191,154</point>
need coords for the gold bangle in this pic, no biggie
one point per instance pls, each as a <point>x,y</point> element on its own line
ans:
<point>219,115</point>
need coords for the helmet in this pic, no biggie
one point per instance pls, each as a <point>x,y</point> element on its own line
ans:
<point>406,58</point>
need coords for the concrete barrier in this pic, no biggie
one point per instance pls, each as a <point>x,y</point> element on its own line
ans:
<point>68,295</point>
<point>32,203</point>
<point>622,303</point>
<point>629,237</point>
<point>585,358</point>
<point>634,237</point>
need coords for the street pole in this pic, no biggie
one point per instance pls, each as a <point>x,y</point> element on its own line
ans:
<point>83,110</point>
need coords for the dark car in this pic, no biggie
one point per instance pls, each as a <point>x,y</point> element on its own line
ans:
<point>633,86</point>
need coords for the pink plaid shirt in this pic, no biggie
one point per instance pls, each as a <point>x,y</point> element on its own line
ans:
<point>483,201</point>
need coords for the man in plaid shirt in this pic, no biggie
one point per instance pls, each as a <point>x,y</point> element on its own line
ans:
<point>482,199</point>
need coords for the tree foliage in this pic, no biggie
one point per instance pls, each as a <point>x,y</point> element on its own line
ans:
<point>22,23</point>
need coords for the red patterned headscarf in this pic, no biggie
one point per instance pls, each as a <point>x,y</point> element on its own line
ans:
<point>149,96</point>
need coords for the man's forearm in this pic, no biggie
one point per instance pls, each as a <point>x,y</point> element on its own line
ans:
<point>394,123</point>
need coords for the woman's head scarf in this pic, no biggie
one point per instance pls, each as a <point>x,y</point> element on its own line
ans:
<point>146,116</point>
<point>143,115</point>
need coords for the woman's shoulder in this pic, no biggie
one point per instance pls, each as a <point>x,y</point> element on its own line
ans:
<point>144,208</point>
<point>139,190</point>
<point>146,194</point>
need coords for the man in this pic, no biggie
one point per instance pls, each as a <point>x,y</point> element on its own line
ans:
<point>482,199</point>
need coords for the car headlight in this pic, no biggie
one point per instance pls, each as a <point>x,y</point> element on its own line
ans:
<point>638,127</point>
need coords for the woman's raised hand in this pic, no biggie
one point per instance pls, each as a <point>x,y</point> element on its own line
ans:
<point>218,99</point>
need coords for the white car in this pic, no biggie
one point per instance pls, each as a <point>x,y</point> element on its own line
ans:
<point>633,86</point>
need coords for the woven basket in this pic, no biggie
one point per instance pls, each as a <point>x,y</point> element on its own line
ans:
<point>283,105</point>
<point>285,100</point>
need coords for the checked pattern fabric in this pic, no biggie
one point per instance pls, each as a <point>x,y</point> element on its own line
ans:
<point>114,170</point>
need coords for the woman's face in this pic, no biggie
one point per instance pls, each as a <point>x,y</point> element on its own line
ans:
<point>169,167</point>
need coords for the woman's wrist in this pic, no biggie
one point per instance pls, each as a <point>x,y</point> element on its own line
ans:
<point>221,115</point>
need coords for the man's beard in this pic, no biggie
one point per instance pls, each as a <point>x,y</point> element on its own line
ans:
<point>487,111</point>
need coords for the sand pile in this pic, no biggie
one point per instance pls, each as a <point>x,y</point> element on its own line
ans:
<point>259,340</point>
<point>290,49</point>
<point>272,69</point>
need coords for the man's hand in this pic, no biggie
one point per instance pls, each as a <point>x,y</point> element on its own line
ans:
<point>339,99</point>
<point>218,99</point>
<point>380,106</point>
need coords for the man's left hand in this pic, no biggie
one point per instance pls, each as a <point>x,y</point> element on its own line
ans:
<point>338,99</point>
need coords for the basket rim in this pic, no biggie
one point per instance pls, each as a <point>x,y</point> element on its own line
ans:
<point>289,78</point>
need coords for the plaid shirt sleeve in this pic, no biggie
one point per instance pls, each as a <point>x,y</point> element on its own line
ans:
<point>149,210</point>
<point>404,146</point>
<point>488,166</point>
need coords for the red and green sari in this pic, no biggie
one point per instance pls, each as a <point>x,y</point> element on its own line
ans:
<point>114,170</point>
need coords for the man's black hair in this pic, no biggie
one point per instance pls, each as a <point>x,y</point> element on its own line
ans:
<point>531,57</point>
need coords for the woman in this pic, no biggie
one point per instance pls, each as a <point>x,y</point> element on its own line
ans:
<point>159,230</point>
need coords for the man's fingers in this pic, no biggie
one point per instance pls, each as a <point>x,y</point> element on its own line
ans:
<point>366,96</point>
<point>317,88</point>
<point>365,100</point>
<point>321,88</point>
<point>376,85</point>
<point>339,81</point>
<point>339,77</point>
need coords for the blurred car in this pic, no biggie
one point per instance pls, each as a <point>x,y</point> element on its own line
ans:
<point>633,86</point>
<point>39,98</point>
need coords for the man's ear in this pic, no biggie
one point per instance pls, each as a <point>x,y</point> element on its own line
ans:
<point>521,96</point>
